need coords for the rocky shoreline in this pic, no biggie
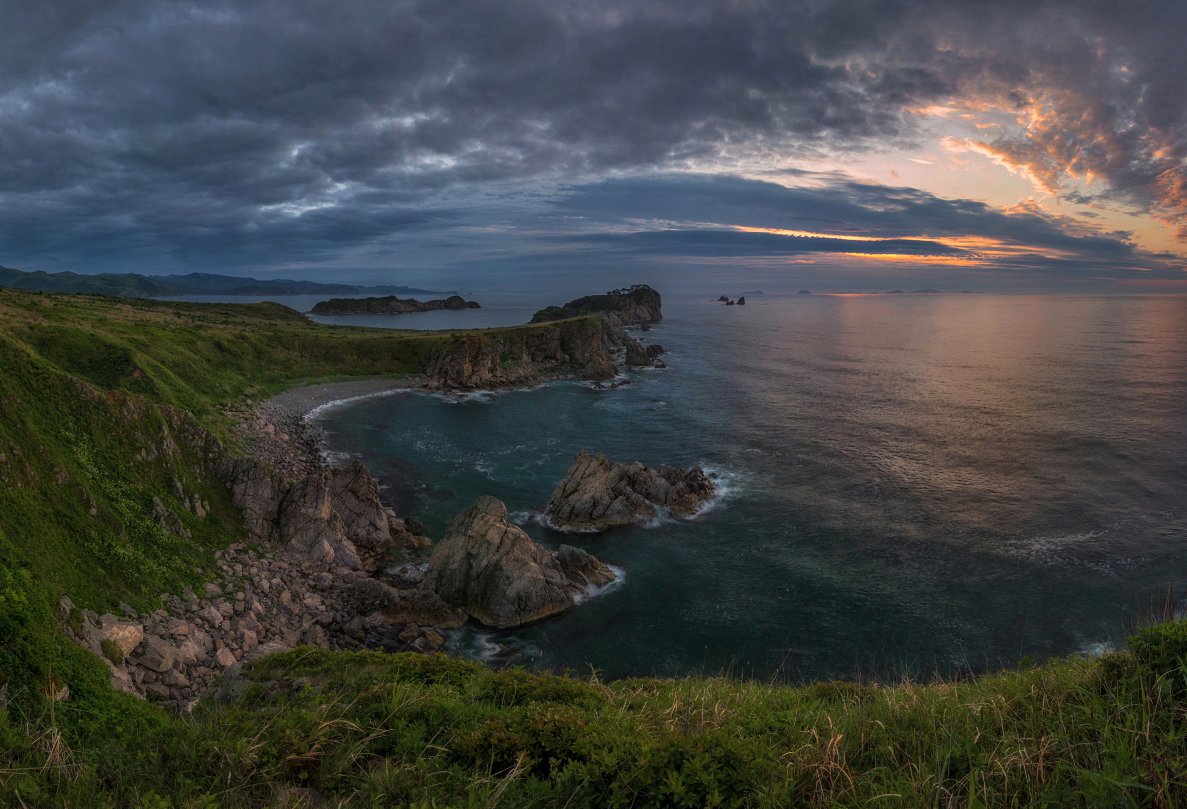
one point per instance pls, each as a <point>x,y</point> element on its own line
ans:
<point>327,562</point>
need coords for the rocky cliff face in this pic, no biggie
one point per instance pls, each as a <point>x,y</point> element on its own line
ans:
<point>500,577</point>
<point>322,534</point>
<point>598,494</point>
<point>526,356</point>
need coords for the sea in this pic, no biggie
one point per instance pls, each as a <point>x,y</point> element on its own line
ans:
<point>909,486</point>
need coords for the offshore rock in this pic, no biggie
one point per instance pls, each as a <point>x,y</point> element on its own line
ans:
<point>598,494</point>
<point>499,576</point>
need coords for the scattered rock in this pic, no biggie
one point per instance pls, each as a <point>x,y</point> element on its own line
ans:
<point>127,636</point>
<point>158,654</point>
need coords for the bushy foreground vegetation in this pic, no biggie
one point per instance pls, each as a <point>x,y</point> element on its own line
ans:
<point>94,395</point>
<point>316,728</point>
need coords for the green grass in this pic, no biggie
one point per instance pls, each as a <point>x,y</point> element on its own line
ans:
<point>105,402</point>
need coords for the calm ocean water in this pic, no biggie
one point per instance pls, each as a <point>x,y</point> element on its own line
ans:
<point>912,484</point>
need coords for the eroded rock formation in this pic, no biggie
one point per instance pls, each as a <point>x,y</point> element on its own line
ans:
<point>499,576</point>
<point>598,494</point>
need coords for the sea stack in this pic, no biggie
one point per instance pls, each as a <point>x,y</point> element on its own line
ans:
<point>495,572</point>
<point>598,494</point>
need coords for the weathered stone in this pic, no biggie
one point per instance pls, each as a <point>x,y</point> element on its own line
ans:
<point>187,653</point>
<point>597,494</point>
<point>127,636</point>
<point>224,657</point>
<point>158,654</point>
<point>495,572</point>
<point>211,616</point>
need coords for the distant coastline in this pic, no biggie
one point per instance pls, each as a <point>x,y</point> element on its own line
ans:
<point>135,285</point>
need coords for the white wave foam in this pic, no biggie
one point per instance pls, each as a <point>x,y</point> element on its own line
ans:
<point>595,590</point>
<point>1098,648</point>
<point>326,406</point>
<point>726,483</point>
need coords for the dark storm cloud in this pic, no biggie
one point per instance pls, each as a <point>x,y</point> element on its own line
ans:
<point>220,135</point>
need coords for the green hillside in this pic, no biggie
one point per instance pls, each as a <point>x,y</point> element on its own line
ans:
<point>104,402</point>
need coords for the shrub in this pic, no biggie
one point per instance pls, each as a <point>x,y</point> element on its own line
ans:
<point>112,651</point>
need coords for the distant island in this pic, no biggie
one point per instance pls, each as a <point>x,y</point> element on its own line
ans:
<point>389,305</point>
<point>135,285</point>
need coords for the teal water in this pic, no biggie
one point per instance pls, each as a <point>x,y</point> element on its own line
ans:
<point>912,484</point>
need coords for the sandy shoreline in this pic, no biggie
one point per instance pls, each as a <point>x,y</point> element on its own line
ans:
<point>304,400</point>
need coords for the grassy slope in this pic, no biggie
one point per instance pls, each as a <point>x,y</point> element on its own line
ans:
<point>89,391</point>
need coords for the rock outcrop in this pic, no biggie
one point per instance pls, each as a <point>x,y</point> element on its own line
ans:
<point>390,305</point>
<point>499,576</point>
<point>598,494</point>
<point>637,304</point>
<point>320,536</point>
<point>525,356</point>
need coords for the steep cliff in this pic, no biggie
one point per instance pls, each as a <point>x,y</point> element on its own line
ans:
<point>514,357</point>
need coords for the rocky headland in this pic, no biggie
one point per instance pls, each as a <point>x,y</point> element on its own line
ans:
<point>598,494</point>
<point>390,305</point>
<point>633,305</point>
<point>590,347</point>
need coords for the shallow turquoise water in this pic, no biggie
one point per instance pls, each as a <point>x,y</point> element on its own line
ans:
<point>913,484</point>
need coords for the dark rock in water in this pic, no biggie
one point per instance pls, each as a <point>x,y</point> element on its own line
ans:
<point>729,303</point>
<point>636,354</point>
<point>644,327</point>
<point>654,350</point>
<point>495,573</point>
<point>723,299</point>
<point>742,301</point>
<point>597,494</point>
<point>414,526</point>
<point>804,292</point>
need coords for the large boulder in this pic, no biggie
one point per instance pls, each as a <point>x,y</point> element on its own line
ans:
<point>499,576</point>
<point>598,494</point>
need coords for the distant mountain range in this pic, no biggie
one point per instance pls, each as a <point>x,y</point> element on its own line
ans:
<point>134,285</point>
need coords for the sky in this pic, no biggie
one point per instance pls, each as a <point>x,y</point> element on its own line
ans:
<point>825,144</point>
